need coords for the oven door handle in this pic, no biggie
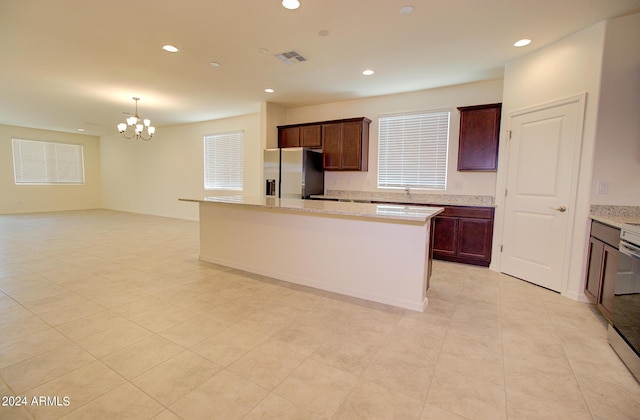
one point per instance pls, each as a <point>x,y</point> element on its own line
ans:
<point>630,250</point>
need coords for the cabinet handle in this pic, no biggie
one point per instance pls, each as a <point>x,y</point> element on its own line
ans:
<point>561,209</point>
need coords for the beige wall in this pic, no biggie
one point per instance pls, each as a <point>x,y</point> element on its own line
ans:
<point>39,198</point>
<point>467,183</point>
<point>617,149</point>
<point>150,177</point>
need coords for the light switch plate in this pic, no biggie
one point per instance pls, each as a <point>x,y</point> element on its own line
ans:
<point>603,187</point>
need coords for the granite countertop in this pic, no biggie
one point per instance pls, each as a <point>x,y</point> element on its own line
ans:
<point>615,216</point>
<point>366,210</point>
<point>413,198</point>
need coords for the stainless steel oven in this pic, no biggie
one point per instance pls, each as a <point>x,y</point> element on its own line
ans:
<point>624,332</point>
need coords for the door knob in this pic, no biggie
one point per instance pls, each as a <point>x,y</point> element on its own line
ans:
<point>561,209</point>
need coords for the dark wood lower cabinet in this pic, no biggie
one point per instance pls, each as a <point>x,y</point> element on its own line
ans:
<point>464,234</point>
<point>602,267</point>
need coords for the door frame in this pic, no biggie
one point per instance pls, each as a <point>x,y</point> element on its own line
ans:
<point>501,183</point>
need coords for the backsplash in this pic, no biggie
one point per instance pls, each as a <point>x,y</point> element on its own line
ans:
<point>444,199</point>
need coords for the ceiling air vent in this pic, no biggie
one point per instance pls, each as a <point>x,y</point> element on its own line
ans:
<point>290,57</point>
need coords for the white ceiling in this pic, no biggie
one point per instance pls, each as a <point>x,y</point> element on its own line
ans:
<point>70,64</point>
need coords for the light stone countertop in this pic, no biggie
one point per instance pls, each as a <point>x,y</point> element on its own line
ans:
<point>365,210</point>
<point>615,216</point>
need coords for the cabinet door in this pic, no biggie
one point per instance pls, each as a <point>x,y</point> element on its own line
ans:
<point>331,146</point>
<point>351,146</point>
<point>311,136</point>
<point>479,134</point>
<point>445,236</point>
<point>289,137</point>
<point>475,238</point>
<point>594,269</point>
<point>609,274</point>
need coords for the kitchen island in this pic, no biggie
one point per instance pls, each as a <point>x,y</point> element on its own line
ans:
<point>375,252</point>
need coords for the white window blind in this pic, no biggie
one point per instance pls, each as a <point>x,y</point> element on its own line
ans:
<point>223,161</point>
<point>412,150</point>
<point>41,162</point>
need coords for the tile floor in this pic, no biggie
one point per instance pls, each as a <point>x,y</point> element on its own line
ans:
<point>111,315</point>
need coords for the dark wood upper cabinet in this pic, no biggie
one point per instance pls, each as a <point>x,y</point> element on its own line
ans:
<point>308,135</point>
<point>479,135</point>
<point>344,143</point>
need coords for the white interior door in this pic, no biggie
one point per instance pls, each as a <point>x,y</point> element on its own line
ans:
<point>544,153</point>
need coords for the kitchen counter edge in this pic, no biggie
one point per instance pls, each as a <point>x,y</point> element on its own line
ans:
<point>352,209</point>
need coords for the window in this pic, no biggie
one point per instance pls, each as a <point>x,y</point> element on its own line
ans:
<point>412,150</point>
<point>223,157</point>
<point>41,162</point>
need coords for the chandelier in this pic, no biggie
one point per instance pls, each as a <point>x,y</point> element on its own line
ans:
<point>136,127</point>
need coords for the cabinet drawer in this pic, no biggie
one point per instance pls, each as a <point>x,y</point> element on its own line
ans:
<point>605,233</point>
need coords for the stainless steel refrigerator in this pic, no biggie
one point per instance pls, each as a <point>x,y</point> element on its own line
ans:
<point>293,172</point>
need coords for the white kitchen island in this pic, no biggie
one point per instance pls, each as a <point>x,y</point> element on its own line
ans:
<point>371,251</point>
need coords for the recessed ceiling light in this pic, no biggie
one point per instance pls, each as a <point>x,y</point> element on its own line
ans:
<point>522,42</point>
<point>405,10</point>
<point>214,64</point>
<point>81,129</point>
<point>368,72</point>
<point>269,90</point>
<point>170,48</point>
<point>291,4</point>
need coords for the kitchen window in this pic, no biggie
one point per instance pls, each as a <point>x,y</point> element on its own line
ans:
<point>42,162</point>
<point>223,161</point>
<point>412,150</point>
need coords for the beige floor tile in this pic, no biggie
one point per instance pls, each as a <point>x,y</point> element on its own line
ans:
<point>267,364</point>
<point>69,313</point>
<point>433,412</point>
<point>194,330</point>
<point>80,387</point>
<point>318,387</point>
<point>275,407</point>
<point>113,339</point>
<point>401,373</point>
<point>53,303</point>
<point>369,401</point>
<point>93,324</point>
<point>6,301</point>
<point>545,395</point>
<point>124,402</point>
<point>229,345</point>
<point>225,396</point>
<point>29,346</point>
<point>141,356</point>
<point>164,318</point>
<point>13,313</point>
<point>166,415</point>
<point>482,364</point>
<point>611,400</point>
<point>31,295</point>
<point>350,351</point>
<point>302,337</point>
<point>44,367</point>
<point>21,327</point>
<point>176,377</point>
<point>467,396</point>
